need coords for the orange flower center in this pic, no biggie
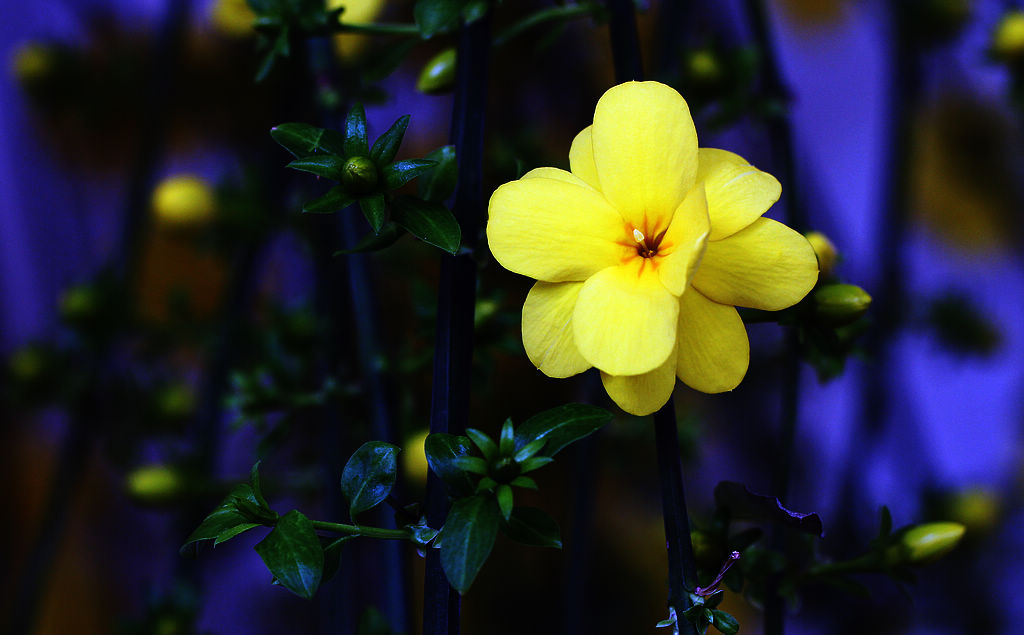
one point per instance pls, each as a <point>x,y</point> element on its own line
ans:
<point>647,246</point>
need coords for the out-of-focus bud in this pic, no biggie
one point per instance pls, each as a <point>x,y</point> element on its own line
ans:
<point>825,251</point>
<point>703,66</point>
<point>26,364</point>
<point>1008,40</point>
<point>438,75</point>
<point>359,175</point>
<point>840,304</point>
<point>176,401</point>
<point>414,458</point>
<point>232,18</point>
<point>78,304</point>
<point>183,201</point>
<point>33,62</point>
<point>977,509</point>
<point>350,45</point>
<point>925,543</point>
<point>155,484</point>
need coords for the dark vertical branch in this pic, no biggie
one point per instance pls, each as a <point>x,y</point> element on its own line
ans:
<point>73,457</point>
<point>625,41</point>
<point>456,303</point>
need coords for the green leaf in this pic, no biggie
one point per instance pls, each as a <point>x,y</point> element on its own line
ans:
<point>468,536</point>
<point>486,484</point>
<point>422,534</point>
<point>369,475</point>
<point>524,481</point>
<point>561,426</point>
<point>386,146</point>
<point>474,10</point>
<point>254,483</point>
<point>442,449</point>
<point>528,450</point>
<point>335,200</point>
<point>375,242</point>
<point>482,441</point>
<point>401,172</point>
<point>713,600</point>
<point>431,222</point>
<point>666,623</point>
<point>301,139</point>
<point>356,143</point>
<point>534,527</point>
<point>473,464</point>
<point>535,463</point>
<point>507,440</point>
<point>375,210</point>
<point>724,622</point>
<point>228,534</point>
<point>227,521</point>
<point>332,555</point>
<point>505,501</point>
<point>438,184</point>
<point>326,165</point>
<point>293,554</point>
<point>437,16</point>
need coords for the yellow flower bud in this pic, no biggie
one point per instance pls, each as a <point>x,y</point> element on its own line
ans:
<point>929,542</point>
<point>1008,40</point>
<point>154,484</point>
<point>703,66</point>
<point>33,62</point>
<point>840,304</point>
<point>183,201</point>
<point>977,509</point>
<point>438,75</point>
<point>232,18</point>
<point>414,458</point>
<point>359,175</point>
<point>825,251</point>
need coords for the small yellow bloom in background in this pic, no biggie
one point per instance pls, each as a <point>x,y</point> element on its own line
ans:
<point>1008,41</point>
<point>183,201</point>
<point>232,18</point>
<point>643,250</point>
<point>824,251</point>
<point>414,458</point>
<point>32,62</point>
<point>356,11</point>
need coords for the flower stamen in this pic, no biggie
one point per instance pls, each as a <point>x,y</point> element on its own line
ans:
<point>645,247</point>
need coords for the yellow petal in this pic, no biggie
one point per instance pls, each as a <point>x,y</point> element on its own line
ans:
<point>684,242</point>
<point>738,193</point>
<point>642,394</point>
<point>581,158</point>
<point>556,174</point>
<point>547,328</point>
<point>645,151</point>
<point>713,352</point>
<point>625,319</point>
<point>554,230</point>
<point>766,266</point>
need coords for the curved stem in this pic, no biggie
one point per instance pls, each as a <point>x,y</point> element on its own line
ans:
<point>359,530</point>
<point>376,28</point>
<point>564,12</point>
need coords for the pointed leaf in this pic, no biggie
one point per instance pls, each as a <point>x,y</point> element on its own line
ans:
<point>528,450</point>
<point>375,210</point>
<point>437,16</point>
<point>482,441</point>
<point>442,449</point>
<point>561,426</point>
<point>335,200</point>
<point>535,463</point>
<point>506,501</point>
<point>293,554</point>
<point>746,505</point>
<point>468,536</point>
<point>401,172</point>
<point>375,242</point>
<point>326,165</point>
<point>254,483</point>
<point>300,139</point>
<point>724,622</point>
<point>332,555</point>
<point>524,481</point>
<point>386,146</point>
<point>534,527</point>
<point>228,520</point>
<point>356,143</point>
<point>431,222</point>
<point>438,183</point>
<point>507,441</point>
<point>473,464</point>
<point>369,475</point>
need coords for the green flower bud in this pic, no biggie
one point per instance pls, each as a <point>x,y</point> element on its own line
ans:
<point>926,543</point>
<point>78,304</point>
<point>438,75</point>
<point>1008,39</point>
<point>176,401</point>
<point>825,251</point>
<point>26,364</point>
<point>154,484</point>
<point>840,304</point>
<point>359,175</point>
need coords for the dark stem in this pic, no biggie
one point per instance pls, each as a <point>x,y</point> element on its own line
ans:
<point>682,567</point>
<point>456,303</point>
<point>625,42</point>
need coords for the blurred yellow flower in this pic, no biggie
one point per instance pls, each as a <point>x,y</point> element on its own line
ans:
<point>356,11</point>
<point>32,62</point>
<point>183,201</point>
<point>1008,40</point>
<point>233,18</point>
<point>642,251</point>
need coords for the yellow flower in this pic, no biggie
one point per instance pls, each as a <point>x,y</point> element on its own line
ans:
<point>184,200</point>
<point>348,45</point>
<point>643,250</point>
<point>1008,40</point>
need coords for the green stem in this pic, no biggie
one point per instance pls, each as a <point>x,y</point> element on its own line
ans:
<point>359,530</point>
<point>376,28</point>
<point>565,12</point>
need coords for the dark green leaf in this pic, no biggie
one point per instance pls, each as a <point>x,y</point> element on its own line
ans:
<point>254,482</point>
<point>506,500</point>
<point>228,520</point>
<point>474,10</point>
<point>473,464</point>
<point>666,623</point>
<point>724,622</point>
<point>300,139</point>
<point>484,442</point>
<point>535,463</point>
<point>228,534</point>
<point>401,172</point>
<point>534,527</point>
<point>326,165</point>
<point>746,505</point>
<point>507,439</point>
<point>528,450</point>
<point>442,449</point>
<point>381,66</point>
<point>374,242</point>
<point>524,481</point>
<point>561,426</point>
<point>713,600</point>
<point>293,554</point>
<point>356,143</point>
<point>431,222</point>
<point>375,210</point>
<point>332,555</point>
<point>386,146</point>
<point>422,535</point>
<point>438,184</point>
<point>369,475</point>
<point>437,16</point>
<point>486,484</point>
<point>335,200</point>
<point>468,536</point>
